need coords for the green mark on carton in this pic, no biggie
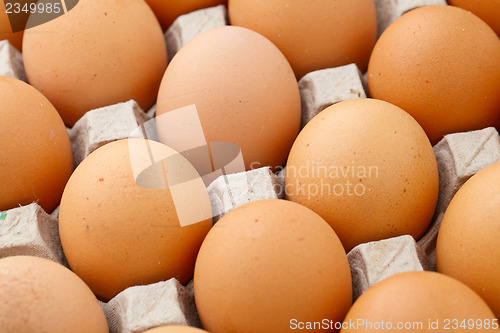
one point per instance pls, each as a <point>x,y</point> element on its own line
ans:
<point>3,216</point>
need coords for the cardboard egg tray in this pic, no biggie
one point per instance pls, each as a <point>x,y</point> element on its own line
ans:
<point>29,230</point>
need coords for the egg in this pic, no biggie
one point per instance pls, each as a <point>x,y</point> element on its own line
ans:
<point>39,295</point>
<point>467,246</point>
<point>174,329</point>
<point>121,225</point>
<point>368,169</point>
<point>244,91</point>
<point>99,53</point>
<point>168,11</point>
<point>36,159</point>
<point>441,64</point>
<point>419,302</point>
<point>268,263</point>
<point>15,38</point>
<point>313,34</point>
<point>487,10</point>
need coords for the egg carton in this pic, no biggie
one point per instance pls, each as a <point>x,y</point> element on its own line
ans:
<point>231,191</point>
<point>374,261</point>
<point>459,157</point>
<point>104,125</point>
<point>140,308</point>
<point>188,26</point>
<point>11,61</point>
<point>389,10</point>
<point>323,88</point>
<point>30,230</point>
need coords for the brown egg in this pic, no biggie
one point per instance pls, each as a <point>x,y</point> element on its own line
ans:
<point>244,91</point>
<point>16,39</point>
<point>368,169</point>
<point>36,159</point>
<point>425,302</point>
<point>313,34</point>
<point>487,10</point>
<point>168,11</point>
<point>39,295</point>
<point>268,263</point>
<point>174,329</point>
<point>117,232</point>
<point>441,64</point>
<point>99,53</point>
<point>467,247</point>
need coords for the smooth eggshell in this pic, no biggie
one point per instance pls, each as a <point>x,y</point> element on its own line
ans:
<point>244,91</point>
<point>38,295</point>
<point>368,169</point>
<point>116,234</point>
<point>36,159</point>
<point>98,54</point>
<point>168,11</point>
<point>441,64</point>
<point>313,34</point>
<point>487,10</point>
<point>266,263</point>
<point>418,298</point>
<point>16,39</point>
<point>468,246</point>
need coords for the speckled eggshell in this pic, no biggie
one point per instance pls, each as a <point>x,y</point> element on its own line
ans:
<point>116,234</point>
<point>35,152</point>
<point>417,302</point>
<point>269,262</point>
<point>100,53</point>
<point>441,64</point>
<point>368,169</point>
<point>468,246</point>
<point>39,295</point>
<point>487,10</point>
<point>313,34</point>
<point>244,91</point>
